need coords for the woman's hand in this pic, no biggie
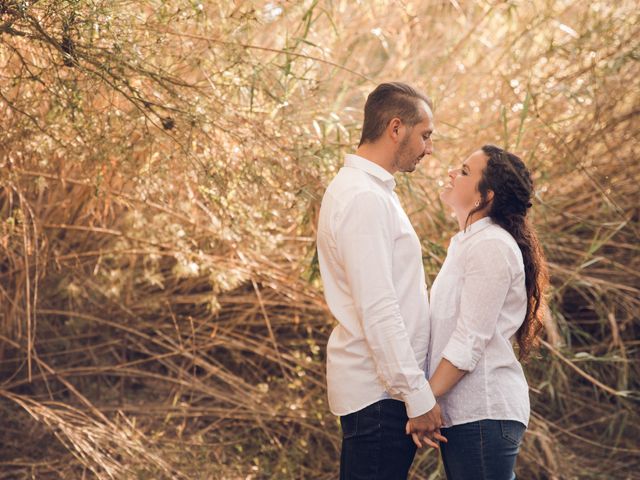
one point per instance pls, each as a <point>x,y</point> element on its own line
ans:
<point>430,439</point>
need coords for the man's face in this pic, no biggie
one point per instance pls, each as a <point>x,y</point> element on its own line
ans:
<point>416,142</point>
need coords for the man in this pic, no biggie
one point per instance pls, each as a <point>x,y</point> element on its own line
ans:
<point>371,266</point>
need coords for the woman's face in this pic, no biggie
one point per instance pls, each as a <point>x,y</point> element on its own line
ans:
<point>461,193</point>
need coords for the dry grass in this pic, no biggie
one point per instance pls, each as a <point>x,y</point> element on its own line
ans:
<point>162,171</point>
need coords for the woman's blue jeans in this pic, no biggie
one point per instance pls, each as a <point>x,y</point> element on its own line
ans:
<point>482,450</point>
<point>374,443</point>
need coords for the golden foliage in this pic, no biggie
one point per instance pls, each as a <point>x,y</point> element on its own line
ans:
<point>162,167</point>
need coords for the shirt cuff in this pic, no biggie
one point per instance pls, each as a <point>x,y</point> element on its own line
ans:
<point>419,402</point>
<point>461,354</point>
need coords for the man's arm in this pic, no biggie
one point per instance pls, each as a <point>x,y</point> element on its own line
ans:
<point>365,245</point>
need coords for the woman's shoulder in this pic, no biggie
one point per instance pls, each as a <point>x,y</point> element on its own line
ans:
<point>496,232</point>
<point>494,238</point>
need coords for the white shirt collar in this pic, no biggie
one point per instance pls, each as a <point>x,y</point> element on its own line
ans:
<point>472,229</point>
<point>356,161</point>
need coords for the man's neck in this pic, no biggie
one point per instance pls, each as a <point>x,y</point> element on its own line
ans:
<point>374,153</point>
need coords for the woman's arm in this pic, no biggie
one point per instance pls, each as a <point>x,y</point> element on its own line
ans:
<point>487,279</point>
<point>445,377</point>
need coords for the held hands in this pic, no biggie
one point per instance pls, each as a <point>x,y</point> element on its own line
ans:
<point>426,428</point>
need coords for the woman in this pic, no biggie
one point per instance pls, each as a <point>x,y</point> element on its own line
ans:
<point>490,290</point>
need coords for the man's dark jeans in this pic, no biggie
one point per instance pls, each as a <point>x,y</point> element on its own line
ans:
<point>374,443</point>
<point>482,450</point>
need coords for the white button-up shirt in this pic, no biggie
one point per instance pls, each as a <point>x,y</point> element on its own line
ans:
<point>478,302</point>
<point>371,266</point>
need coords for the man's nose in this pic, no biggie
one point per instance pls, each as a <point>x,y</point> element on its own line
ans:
<point>428,147</point>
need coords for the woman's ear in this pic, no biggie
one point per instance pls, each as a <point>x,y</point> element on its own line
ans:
<point>489,196</point>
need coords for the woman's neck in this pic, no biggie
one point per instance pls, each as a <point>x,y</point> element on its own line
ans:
<point>462,218</point>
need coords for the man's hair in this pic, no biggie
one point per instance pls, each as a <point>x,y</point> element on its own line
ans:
<point>388,101</point>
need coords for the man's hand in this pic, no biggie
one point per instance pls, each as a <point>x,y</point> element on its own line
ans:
<point>426,428</point>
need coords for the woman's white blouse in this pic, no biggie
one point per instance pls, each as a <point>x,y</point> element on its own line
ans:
<point>478,302</point>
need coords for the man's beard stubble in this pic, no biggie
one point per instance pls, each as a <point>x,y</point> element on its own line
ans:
<point>402,152</point>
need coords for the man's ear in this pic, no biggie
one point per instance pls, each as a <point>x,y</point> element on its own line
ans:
<point>394,128</point>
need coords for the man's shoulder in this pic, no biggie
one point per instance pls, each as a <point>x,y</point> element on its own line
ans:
<point>350,183</point>
<point>352,176</point>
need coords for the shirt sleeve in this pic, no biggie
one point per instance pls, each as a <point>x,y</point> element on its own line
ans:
<point>486,281</point>
<point>364,240</point>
